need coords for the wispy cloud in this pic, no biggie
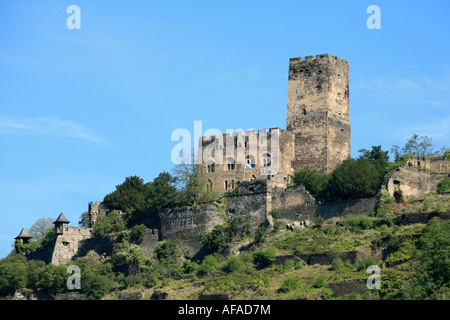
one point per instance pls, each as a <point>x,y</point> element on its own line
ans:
<point>416,90</point>
<point>49,126</point>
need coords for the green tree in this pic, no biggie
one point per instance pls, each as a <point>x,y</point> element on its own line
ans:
<point>432,260</point>
<point>40,228</point>
<point>313,180</point>
<point>378,157</point>
<point>420,146</point>
<point>13,274</point>
<point>192,184</point>
<point>84,220</point>
<point>161,193</point>
<point>354,179</point>
<point>443,185</point>
<point>111,223</point>
<point>128,195</point>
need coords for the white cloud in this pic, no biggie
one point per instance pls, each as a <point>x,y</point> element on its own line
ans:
<point>416,90</point>
<point>50,126</point>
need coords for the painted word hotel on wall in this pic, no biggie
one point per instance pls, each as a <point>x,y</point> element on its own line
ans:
<point>184,222</point>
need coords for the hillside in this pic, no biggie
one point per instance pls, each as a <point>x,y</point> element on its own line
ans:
<point>409,241</point>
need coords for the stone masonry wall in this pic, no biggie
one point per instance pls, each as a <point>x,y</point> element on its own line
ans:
<point>188,224</point>
<point>67,245</point>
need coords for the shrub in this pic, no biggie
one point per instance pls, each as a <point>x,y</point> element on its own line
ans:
<point>357,223</point>
<point>209,265</point>
<point>326,294</point>
<point>354,179</point>
<point>263,259</point>
<point>443,185</point>
<point>260,234</point>
<point>137,233</point>
<point>290,284</point>
<point>320,282</point>
<point>439,208</point>
<point>95,286</point>
<point>189,266</point>
<point>13,274</point>
<point>233,264</point>
<point>337,264</point>
<point>108,224</point>
<point>314,181</point>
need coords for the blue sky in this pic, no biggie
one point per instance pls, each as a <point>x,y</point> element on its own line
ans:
<point>80,110</point>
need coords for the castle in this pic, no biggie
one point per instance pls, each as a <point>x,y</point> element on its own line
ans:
<point>317,135</point>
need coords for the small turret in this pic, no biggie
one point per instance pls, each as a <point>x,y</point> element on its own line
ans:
<point>60,223</point>
<point>24,236</point>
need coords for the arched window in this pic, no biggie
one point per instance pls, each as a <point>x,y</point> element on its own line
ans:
<point>233,184</point>
<point>266,160</point>
<point>209,185</point>
<point>251,161</point>
<point>230,164</point>
<point>226,184</point>
<point>211,167</point>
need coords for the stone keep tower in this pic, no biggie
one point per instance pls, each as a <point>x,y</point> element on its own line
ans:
<point>318,111</point>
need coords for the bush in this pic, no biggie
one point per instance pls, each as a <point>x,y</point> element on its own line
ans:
<point>290,284</point>
<point>337,264</point>
<point>263,259</point>
<point>219,239</point>
<point>326,294</point>
<point>357,223</point>
<point>354,179</point>
<point>233,264</point>
<point>137,234</point>
<point>111,223</point>
<point>443,185</point>
<point>95,286</point>
<point>209,265</point>
<point>314,181</point>
<point>320,282</point>
<point>13,274</point>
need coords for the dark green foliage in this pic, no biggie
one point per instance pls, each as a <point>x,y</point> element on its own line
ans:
<point>13,274</point>
<point>320,282</point>
<point>208,265</point>
<point>314,181</point>
<point>128,258</point>
<point>128,195</point>
<point>95,286</point>
<point>357,223</point>
<point>137,233</point>
<point>290,284</point>
<point>52,279</point>
<point>354,179</point>
<point>264,259</point>
<point>139,199</point>
<point>84,220</point>
<point>111,223</point>
<point>220,238</point>
<point>169,258</point>
<point>260,233</point>
<point>443,186</point>
<point>433,259</point>
<point>216,240</point>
